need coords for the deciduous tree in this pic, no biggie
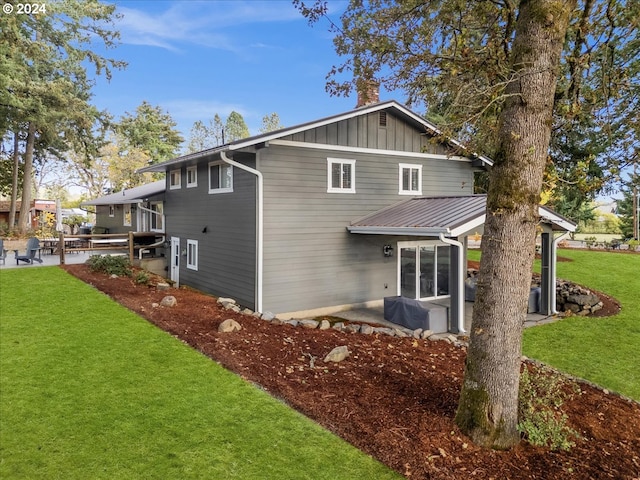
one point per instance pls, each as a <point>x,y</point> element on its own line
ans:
<point>491,69</point>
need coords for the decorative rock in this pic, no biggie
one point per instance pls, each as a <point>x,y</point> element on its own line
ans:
<point>226,300</point>
<point>247,311</point>
<point>169,301</point>
<point>384,331</point>
<point>417,332</point>
<point>276,321</point>
<point>338,326</point>
<point>310,324</point>
<point>293,323</point>
<point>267,316</point>
<point>583,299</point>
<point>352,328</point>
<point>366,329</point>
<point>229,325</point>
<point>325,325</point>
<point>400,333</point>
<point>426,334</point>
<point>338,354</point>
<point>162,286</point>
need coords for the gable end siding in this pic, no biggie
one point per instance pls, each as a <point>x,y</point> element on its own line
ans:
<point>365,132</point>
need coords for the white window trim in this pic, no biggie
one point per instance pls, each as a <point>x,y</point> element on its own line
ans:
<point>342,161</point>
<point>417,245</point>
<point>224,189</point>
<point>410,166</point>
<point>161,215</point>
<point>178,185</point>
<point>195,182</point>
<point>126,208</point>
<point>112,210</point>
<point>192,263</point>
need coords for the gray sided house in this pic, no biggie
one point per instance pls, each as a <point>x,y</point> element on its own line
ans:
<point>329,215</point>
<point>137,209</point>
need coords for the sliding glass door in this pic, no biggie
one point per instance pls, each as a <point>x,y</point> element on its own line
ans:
<point>423,270</point>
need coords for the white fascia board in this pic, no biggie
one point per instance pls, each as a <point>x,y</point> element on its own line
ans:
<point>411,231</point>
<point>469,226</point>
<point>549,216</point>
<point>368,151</point>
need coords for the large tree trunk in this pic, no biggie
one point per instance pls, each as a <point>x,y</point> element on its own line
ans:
<point>27,180</point>
<point>14,180</point>
<point>488,408</point>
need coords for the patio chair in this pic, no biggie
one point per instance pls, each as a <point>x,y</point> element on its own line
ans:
<point>3,252</point>
<point>33,247</point>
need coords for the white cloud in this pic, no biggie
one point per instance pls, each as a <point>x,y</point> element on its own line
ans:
<point>201,23</point>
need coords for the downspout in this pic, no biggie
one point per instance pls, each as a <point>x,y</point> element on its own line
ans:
<point>554,258</point>
<point>259,247</point>
<point>459,245</point>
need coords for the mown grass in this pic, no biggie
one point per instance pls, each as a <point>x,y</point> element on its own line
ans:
<point>90,390</point>
<point>602,350</point>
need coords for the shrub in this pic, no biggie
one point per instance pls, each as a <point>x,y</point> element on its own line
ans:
<point>111,265</point>
<point>142,278</point>
<point>542,393</point>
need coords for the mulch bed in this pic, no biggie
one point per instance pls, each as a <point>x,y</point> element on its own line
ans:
<point>394,398</point>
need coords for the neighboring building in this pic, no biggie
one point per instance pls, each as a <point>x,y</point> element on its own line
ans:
<point>329,215</point>
<point>38,207</point>
<point>137,209</point>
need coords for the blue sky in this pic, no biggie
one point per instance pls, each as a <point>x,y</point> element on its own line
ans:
<point>198,58</point>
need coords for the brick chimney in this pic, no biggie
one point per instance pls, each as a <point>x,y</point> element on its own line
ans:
<point>368,92</point>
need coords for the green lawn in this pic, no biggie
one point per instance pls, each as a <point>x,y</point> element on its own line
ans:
<point>88,390</point>
<point>605,351</point>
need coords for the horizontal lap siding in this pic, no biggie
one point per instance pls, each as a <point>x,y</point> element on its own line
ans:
<point>311,260</point>
<point>227,250</point>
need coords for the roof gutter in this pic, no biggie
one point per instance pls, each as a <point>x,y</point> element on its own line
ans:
<point>259,226</point>
<point>411,231</point>
<point>460,296</point>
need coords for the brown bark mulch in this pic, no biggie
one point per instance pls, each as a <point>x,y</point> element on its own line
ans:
<point>394,398</point>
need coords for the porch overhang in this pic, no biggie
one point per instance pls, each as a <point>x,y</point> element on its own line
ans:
<point>452,217</point>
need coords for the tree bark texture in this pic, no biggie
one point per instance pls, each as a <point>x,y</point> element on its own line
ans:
<point>488,408</point>
<point>14,180</point>
<point>27,180</point>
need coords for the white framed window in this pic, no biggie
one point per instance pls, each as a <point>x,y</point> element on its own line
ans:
<point>175,179</point>
<point>220,177</point>
<point>192,177</point>
<point>126,218</point>
<point>112,210</point>
<point>341,175</point>
<point>410,179</point>
<point>157,217</point>
<point>192,254</point>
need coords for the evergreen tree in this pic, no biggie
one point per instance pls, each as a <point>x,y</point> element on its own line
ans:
<point>152,131</point>
<point>235,128</point>
<point>45,91</point>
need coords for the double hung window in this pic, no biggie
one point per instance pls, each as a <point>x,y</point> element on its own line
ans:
<point>341,175</point>
<point>192,254</point>
<point>220,177</point>
<point>410,179</point>
<point>175,179</point>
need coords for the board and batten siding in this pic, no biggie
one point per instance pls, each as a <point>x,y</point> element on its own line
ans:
<point>227,249</point>
<point>366,131</point>
<point>311,261</point>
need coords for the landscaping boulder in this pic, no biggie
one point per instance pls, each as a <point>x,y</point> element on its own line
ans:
<point>338,354</point>
<point>229,325</point>
<point>169,301</point>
